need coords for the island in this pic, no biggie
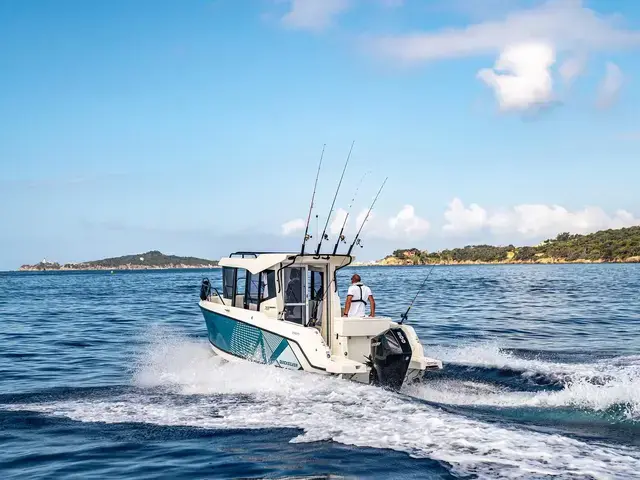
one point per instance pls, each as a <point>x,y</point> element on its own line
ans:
<point>606,246</point>
<point>142,261</point>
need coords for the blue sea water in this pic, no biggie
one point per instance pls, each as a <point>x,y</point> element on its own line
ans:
<point>110,376</point>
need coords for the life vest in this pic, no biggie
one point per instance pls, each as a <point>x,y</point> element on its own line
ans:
<point>359,300</point>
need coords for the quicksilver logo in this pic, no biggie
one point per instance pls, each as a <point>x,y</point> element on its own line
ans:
<point>295,365</point>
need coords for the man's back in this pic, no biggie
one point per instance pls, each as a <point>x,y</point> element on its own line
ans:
<point>360,294</point>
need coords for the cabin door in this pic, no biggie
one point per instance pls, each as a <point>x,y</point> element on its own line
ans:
<point>295,295</point>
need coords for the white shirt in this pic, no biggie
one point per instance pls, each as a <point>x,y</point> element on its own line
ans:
<point>357,308</point>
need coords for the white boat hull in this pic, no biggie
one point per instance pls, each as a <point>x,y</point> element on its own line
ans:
<point>238,334</point>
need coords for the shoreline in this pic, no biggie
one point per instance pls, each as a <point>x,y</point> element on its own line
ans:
<point>631,260</point>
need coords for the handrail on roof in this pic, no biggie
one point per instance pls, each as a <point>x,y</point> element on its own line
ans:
<point>255,254</point>
<point>306,255</point>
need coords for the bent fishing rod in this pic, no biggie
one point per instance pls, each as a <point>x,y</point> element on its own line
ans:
<point>405,315</point>
<point>313,196</point>
<point>333,204</point>
<point>356,240</point>
<point>341,237</point>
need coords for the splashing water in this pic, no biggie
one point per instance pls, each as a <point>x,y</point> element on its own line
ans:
<point>598,386</point>
<point>189,386</point>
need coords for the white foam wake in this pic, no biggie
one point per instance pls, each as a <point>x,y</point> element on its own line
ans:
<point>491,355</point>
<point>623,394</point>
<point>242,395</point>
<point>596,386</point>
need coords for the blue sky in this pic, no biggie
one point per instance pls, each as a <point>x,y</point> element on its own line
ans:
<point>195,127</point>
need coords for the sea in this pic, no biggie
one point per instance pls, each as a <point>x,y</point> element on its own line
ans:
<point>109,375</point>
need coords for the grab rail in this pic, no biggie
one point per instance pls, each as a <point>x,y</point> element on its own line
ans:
<point>219,296</point>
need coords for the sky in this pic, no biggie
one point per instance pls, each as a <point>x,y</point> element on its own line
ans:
<point>195,127</point>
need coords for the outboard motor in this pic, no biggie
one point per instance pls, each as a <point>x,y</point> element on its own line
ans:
<point>205,289</point>
<point>390,358</point>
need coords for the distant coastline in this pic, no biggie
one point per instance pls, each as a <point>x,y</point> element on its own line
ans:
<point>606,246</point>
<point>153,260</point>
<point>544,261</point>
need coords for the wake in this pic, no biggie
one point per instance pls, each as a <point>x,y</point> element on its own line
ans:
<point>602,386</point>
<point>178,382</point>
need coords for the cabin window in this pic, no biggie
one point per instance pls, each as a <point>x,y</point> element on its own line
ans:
<point>233,283</point>
<point>268,285</point>
<point>253,289</point>
<point>228,282</point>
<point>241,281</point>
<point>295,279</point>
<point>260,286</point>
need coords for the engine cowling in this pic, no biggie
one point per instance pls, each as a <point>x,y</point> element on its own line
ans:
<point>390,358</point>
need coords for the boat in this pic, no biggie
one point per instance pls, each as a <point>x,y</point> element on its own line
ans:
<point>284,309</point>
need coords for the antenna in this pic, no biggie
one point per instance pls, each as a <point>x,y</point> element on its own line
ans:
<point>344,224</point>
<point>324,232</point>
<point>356,240</point>
<point>313,196</point>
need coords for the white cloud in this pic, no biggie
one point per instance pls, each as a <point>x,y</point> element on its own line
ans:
<point>533,220</point>
<point>293,226</point>
<point>566,24</point>
<point>611,85</point>
<point>313,15</point>
<point>338,220</point>
<point>408,224</point>
<point>527,42</point>
<point>521,77</point>
<point>462,220</point>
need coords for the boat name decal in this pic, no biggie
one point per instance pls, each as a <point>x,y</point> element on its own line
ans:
<point>295,365</point>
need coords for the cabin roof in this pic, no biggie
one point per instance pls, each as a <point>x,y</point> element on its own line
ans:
<point>256,262</point>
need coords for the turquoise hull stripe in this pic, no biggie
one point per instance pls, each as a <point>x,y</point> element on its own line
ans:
<point>276,353</point>
<point>248,341</point>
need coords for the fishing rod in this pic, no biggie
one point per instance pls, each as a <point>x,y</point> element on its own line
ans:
<point>344,224</point>
<point>405,315</point>
<point>313,196</point>
<point>324,231</point>
<point>356,240</point>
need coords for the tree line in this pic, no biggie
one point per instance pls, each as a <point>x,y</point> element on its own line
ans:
<point>614,245</point>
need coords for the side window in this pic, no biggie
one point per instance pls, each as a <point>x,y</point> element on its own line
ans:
<point>253,288</point>
<point>241,281</point>
<point>260,286</point>
<point>268,285</point>
<point>228,278</point>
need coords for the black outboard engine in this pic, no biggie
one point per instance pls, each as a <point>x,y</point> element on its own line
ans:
<point>390,357</point>
<point>205,289</point>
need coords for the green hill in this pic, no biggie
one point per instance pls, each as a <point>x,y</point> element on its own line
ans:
<point>619,245</point>
<point>153,258</point>
<point>149,260</point>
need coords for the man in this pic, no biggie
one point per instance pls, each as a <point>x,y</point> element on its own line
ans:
<point>357,297</point>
